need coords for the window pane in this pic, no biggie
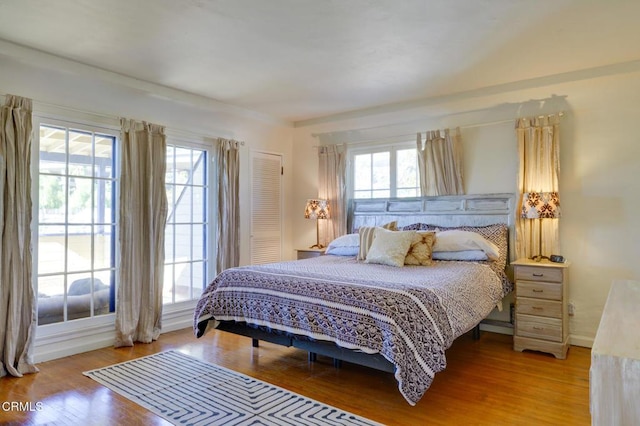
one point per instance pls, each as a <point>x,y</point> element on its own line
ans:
<point>362,194</point>
<point>171,152</point>
<point>186,230</point>
<point>51,251</point>
<point>101,292</point>
<point>53,150</point>
<point>79,248</point>
<point>183,243</point>
<point>381,173</point>
<point>362,172</point>
<point>76,252</point>
<point>381,194</point>
<point>169,253</point>
<point>102,201</point>
<point>407,184</point>
<point>183,282</point>
<point>199,278</point>
<point>199,171</point>
<point>52,199</point>
<point>198,242</point>
<point>103,246</point>
<point>412,192</point>
<point>169,279</point>
<point>80,153</point>
<point>104,150</point>
<point>80,195</point>
<point>183,165</point>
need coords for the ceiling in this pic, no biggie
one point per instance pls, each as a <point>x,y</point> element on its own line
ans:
<point>299,60</point>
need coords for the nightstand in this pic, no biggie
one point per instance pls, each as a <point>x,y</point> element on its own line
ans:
<point>309,253</point>
<point>542,317</point>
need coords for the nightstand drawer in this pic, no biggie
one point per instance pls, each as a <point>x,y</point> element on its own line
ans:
<point>539,327</point>
<point>540,290</point>
<point>544,308</point>
<point>537,273</point>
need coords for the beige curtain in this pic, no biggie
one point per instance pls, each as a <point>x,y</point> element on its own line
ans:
<point>539,166</point>
<point>17,298</point>
<point>440,163</point>
<point>143,215</point>
<point>332,187</point>
<point>227,165</point>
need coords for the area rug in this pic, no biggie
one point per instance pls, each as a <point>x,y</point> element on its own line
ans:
<point>187,391</point>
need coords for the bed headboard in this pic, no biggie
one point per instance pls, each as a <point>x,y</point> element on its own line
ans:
<point>445,210</point>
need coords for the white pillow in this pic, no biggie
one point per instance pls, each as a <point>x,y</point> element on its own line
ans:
<point>389,247</point>
<point>456,240</point>
<point>470,255</point>
<point>346,245</point>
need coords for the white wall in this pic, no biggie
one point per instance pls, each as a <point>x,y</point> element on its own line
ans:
<point>600,159</point>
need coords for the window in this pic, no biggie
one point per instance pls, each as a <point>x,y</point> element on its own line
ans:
<point>76,234</point>
<point>187,229</point>
<point>385,172</point>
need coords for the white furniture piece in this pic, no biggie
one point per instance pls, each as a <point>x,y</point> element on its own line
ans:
<point>614,380</point>
<point>542,317</point>
<point>309,253</point>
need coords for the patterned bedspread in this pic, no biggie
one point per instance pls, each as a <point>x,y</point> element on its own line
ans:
<point>410,315</point>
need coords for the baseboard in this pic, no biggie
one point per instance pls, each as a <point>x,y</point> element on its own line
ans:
<point>584,341</point>
<point>53,343</point>
<point>65,339</point>
<point>497,326</point>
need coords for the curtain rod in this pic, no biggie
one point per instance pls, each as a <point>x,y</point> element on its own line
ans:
<point>108,116</point>
<point>414,134</point>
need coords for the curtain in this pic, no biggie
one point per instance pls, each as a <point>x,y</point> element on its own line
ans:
<point>17,298</point>
<point>440,163</point>
<point>539,167</point>
<point>227,160</point>
<point>332,187</point>
<point>143,216</point>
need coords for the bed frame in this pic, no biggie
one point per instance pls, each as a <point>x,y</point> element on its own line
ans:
<point>451,210</point>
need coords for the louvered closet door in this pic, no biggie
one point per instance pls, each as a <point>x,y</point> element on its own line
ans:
<point>266,207</point>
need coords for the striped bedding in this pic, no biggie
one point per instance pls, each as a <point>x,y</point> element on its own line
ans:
<point>410,315</point>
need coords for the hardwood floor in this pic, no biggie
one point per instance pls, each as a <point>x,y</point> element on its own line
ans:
<point>485,383</point>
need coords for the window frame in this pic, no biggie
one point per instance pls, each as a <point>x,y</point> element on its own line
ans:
<point>392,148</point>
<point>83,123</point>
<point>182,140</point>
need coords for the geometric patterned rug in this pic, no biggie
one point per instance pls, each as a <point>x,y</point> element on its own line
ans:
<point>187,391</point>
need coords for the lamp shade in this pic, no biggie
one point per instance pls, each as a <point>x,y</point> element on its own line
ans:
<point>540,205</point>
<point>317,209</point>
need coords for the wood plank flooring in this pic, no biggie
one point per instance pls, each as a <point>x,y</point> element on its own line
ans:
<point>485,383</point>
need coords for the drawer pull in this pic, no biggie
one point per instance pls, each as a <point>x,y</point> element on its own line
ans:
<point>538,328</point>
<point>537,308</point>
<point>535,290</point>
<point>538,275</point>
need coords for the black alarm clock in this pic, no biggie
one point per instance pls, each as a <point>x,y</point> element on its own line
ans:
<point>556,258</point>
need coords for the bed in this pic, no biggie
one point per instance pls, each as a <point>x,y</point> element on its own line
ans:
<point>397,319</point>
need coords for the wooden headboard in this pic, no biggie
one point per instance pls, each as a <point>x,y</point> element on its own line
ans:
<point>446,210</point>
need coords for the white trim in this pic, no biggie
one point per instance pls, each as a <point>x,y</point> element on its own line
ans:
<point>584,341</point>
<point>60,340</point>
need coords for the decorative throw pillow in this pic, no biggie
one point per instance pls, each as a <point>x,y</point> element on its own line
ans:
<point>457,240</point>
<point>389,247</point>
<point>420,249</point>
<point>365,234</point>
<point>468,255</point>
<point>346,245</point>
<point>391,226</point>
